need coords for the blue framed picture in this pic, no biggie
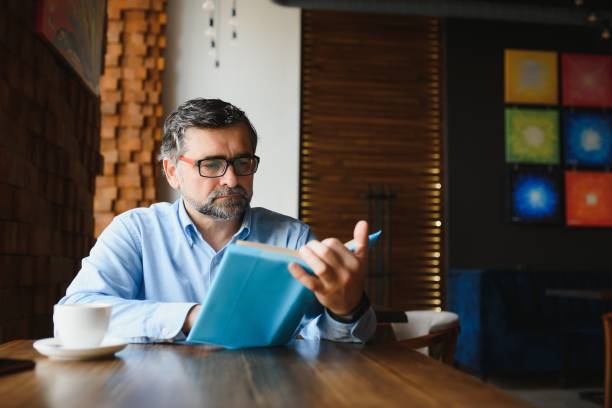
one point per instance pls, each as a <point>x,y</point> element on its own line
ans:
<point>535,194</point>
<point>588,139</point>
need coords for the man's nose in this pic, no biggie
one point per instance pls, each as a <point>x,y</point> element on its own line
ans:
<point>230,178</point>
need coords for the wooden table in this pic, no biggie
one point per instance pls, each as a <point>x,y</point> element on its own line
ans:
<point>304,373</point>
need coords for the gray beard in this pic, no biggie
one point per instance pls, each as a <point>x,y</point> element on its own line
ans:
<point>228,209</point>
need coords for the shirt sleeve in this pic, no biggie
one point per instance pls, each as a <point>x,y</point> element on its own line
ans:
<point>318,324</point>
<point>112,274</point>
<point>325,327</point>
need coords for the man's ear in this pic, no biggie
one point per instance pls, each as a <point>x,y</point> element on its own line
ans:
<point>171,171</point>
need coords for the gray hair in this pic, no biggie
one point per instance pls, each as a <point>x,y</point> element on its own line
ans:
<point>202,114</point>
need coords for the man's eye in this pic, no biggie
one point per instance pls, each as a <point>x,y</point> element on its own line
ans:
<point>212,164</point>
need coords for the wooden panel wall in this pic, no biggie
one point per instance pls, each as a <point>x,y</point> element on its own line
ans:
<point>49,157</point>
<point>131,107</point>
<point>371,144</point>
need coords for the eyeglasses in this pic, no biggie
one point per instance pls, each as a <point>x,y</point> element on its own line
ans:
<point>243,166</point>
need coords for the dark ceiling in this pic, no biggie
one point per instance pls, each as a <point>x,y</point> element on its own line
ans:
<point>559,12</point>
<point>587,4</point>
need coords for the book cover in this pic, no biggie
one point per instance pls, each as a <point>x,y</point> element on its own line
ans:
<point>254,300</point>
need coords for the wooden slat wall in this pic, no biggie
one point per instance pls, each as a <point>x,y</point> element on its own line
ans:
<point>371,126</point>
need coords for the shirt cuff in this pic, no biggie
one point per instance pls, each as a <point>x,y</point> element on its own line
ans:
<point>167,321</point>
<point>355,315</point>
<point>358,332</point>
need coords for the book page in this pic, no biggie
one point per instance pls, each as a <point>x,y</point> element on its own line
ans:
<point>271,248</point>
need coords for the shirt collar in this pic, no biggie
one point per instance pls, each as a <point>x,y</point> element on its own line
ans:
<point>245,228</point>
<point>191,231</point>
<point>188,228</point>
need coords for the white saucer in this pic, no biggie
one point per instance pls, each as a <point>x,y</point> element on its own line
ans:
<point>52,348</point>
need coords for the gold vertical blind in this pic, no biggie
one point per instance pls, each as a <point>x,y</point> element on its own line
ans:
<point>371,145</point>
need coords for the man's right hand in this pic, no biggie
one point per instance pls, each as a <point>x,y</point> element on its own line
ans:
<point>191,319</point>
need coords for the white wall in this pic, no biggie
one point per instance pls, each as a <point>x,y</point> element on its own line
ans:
<point>260,75</point>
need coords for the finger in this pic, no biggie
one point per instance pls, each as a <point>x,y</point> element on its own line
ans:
<point>312,259</point>
<point>323,261</point>
<point>360,235</point>
<point>347,260</point>
<point>326,250</point>
<point>306,279</point>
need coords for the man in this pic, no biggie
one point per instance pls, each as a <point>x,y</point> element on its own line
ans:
<point>155,265</point>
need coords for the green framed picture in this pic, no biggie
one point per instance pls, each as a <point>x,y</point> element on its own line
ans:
<point>532,136</point>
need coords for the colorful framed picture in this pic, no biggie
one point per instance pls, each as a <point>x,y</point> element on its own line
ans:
<point>531,77</point>
<point>588,139</point>
<point>535,194</point>
<point>586,80</point>
<point>76,29</point>
<point>532,136</point>
<point>588,198</point>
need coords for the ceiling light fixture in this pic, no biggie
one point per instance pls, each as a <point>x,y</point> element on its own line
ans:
<point>605,29</point>
<point>592,17</point>
<point>213,31</point>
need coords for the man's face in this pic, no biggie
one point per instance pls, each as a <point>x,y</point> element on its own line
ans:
<point>224,197</point>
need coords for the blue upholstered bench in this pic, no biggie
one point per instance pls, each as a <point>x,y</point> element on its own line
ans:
<point>509,325</point>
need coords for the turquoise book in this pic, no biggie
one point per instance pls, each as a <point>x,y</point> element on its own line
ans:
<point>254,301</point>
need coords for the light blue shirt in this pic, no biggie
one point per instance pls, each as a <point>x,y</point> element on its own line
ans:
<point>152,265</point>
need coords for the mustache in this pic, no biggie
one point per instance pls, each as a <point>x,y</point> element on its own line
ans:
<point>238,190</point>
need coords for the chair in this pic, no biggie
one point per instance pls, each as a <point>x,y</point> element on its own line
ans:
<point>429,332</point>
<point>607,323</point>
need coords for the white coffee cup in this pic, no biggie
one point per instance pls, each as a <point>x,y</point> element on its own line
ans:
<point>81,325</point>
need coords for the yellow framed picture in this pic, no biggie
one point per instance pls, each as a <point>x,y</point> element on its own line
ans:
<point>531,77</point>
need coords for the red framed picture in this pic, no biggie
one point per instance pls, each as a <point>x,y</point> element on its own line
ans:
<point>76,29</point>
<point>586,80</point>
<point>588,198</point>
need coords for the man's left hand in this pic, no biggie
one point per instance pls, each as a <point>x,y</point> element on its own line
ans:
<point>339,277</point>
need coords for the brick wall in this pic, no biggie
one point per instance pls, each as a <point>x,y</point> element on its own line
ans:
<point>131,107</point>
<point>49,156</point>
